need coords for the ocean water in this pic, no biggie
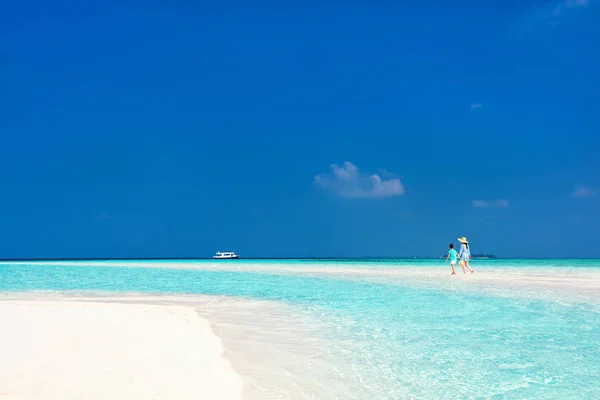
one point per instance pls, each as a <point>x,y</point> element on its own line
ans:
<point>373,329</point>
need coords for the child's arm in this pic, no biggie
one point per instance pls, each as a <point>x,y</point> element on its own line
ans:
<point>447,257</point>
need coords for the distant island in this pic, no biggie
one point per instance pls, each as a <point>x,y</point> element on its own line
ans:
<point>480,255</point>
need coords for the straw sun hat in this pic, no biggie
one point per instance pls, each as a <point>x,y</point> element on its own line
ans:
<point>463,240</point>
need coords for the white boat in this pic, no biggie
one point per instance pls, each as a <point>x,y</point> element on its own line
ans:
<point>226,255</point>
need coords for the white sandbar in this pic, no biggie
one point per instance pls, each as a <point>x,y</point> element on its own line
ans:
<point>91,350</point>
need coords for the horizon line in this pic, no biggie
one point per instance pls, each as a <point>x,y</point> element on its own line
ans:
<point>283,258</point>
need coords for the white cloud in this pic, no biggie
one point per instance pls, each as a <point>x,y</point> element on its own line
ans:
<point>476,106</point>
<point>574,3</point>
<point>564,5</point>
<point>576,219</point>
<point>491,204</point>
<point>348,181</point>
<point>582,191</point>
<point>548,14</point>
<point>501,203</point>
<point>480,203</point>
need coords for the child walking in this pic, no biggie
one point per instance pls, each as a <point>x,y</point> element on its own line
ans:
<point>453,256</point>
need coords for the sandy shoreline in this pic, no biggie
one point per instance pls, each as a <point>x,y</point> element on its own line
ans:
<point>104,344</point>
<point>254,336</point>
<point>73,349</point>
<point>98,345</point>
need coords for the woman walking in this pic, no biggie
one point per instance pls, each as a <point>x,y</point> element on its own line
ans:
<point>465,254</point>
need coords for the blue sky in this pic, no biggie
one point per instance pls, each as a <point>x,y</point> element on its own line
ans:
<point>360,129</point>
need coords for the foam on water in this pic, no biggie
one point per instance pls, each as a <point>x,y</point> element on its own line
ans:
<point>371,331</point>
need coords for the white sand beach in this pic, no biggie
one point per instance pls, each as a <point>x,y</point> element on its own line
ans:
<point>93,350</point>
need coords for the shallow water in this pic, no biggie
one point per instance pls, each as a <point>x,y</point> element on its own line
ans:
<point>375,330</point>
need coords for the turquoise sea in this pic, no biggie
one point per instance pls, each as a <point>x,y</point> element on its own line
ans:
<point>373,329</point>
